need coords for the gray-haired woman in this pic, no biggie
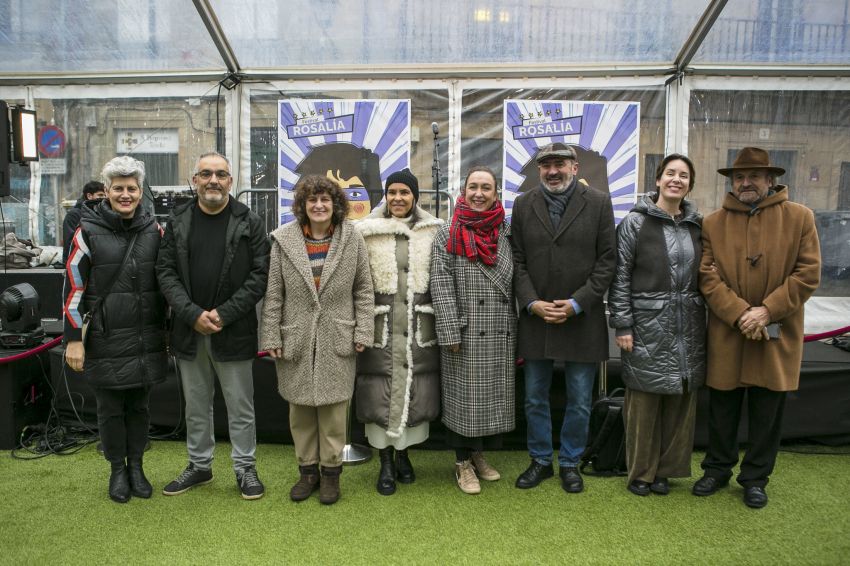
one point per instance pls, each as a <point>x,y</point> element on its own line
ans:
<point>111,284</point>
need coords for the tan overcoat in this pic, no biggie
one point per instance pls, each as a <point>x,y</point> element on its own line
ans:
<point>324,324</point>
<point>771,258</point>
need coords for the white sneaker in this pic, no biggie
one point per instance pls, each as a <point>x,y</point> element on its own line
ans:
<point>467,481</point>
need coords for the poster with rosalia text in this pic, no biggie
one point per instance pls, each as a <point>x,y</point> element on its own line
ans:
<point>357,143</point>
<point>605,136</point>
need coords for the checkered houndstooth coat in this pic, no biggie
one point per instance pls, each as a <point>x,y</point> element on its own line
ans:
<point>474,307</point>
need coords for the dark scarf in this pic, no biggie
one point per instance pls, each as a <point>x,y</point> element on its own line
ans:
<point>474,234</point>
<point>557,202</point>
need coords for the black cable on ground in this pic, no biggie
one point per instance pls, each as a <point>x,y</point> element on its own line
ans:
<point>54,437</point>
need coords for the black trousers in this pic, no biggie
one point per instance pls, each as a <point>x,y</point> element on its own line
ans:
<point>123,419</point>
<point>764,412</point>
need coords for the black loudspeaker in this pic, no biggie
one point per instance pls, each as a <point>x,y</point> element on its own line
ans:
<point>5,149</point>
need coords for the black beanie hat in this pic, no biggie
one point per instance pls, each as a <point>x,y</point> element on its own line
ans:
<point>405,176</point>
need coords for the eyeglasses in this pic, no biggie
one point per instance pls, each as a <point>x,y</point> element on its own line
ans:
<point>207,174</point>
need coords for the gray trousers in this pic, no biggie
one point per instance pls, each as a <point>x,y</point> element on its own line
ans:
<point>237,387</point>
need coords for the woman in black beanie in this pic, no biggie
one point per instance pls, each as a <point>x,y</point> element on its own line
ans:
<point>398,386</point>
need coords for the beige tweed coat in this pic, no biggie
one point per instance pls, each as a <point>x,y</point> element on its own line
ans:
<point>317,330</point>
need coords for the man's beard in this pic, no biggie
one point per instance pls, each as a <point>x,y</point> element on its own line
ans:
<point>560,188</point>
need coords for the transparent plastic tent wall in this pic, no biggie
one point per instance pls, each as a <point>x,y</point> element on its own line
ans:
<point>742,87</point>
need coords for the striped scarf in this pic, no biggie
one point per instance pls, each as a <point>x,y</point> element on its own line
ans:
<point>474,234</point>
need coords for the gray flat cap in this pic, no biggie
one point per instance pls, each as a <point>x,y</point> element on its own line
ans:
<point>556,149</point>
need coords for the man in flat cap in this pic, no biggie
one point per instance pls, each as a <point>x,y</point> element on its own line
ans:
<point>564,256</point>
<point>760,263</point>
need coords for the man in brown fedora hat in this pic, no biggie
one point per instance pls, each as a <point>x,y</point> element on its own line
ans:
<point>760,263</point>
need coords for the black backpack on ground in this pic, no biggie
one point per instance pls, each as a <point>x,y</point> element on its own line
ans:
<point>606,448</point>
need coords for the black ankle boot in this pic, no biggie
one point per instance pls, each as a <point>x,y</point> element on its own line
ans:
<point>139,484</point>
<point>119,484</point>
<point>404,469</point>
<point>386,477</point>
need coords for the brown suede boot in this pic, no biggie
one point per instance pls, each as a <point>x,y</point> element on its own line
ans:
<point>306,484</point>
<point>329,489</point>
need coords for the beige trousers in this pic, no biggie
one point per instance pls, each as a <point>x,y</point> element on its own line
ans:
<point>659,434</point>
<point>318,433</point>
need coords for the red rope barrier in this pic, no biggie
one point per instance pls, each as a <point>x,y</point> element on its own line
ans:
<point>28,353</point>
<point>830,334</point>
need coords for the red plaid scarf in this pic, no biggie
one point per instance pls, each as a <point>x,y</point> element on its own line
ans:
<point>475,234</point>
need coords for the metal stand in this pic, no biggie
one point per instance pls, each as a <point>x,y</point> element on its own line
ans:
<point>353,454</point>
<point>435,170</point>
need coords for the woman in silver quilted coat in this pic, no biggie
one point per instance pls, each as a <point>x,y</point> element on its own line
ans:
<point>659,318</point>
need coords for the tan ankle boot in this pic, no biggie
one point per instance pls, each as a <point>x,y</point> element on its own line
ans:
<point>306,484</point>
<point>329,488</point>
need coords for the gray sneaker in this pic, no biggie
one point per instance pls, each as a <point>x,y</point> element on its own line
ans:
<point>188,478</point>
<point>249,483</point>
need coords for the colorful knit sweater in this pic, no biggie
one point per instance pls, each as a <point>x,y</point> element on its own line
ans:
<point>317,252</point>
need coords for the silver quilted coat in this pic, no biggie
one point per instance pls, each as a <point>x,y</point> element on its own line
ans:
<point>668,323</point>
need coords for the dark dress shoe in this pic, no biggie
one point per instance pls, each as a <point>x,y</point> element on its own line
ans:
<point>639,487</point>
<point>708,485</point>
<point>534,474</point>
<point>755,497</point>
<point>403,467</point>
<point>571,480</point>
<point>386,477</point>
<point>660,486</point>
<point>119,484</point>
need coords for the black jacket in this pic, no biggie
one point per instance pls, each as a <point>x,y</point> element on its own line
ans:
<point>241,283</point>
<point>125,346</point>
<point>655,297</point>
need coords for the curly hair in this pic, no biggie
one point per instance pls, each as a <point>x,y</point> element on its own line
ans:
<point>310,185</point>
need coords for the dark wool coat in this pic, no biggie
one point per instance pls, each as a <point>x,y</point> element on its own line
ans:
<point>768,257</point>
<point>125,346</point>
<point>317,330</point>
<point>576,261</point>
<point>474,306</point>
<point>655,298</point>
<point>398,376</point>
<point>240,284</point>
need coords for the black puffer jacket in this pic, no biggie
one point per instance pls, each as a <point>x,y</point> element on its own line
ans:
<point>126,343</point>
<point>240,284</point>
<point>655,297</point>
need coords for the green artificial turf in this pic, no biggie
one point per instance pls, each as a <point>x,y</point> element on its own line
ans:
<point>55,511</point>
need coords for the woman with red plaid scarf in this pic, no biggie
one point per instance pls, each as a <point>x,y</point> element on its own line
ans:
<point>471,274</point>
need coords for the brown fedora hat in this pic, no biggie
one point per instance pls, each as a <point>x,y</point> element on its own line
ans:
<point>752,158</point>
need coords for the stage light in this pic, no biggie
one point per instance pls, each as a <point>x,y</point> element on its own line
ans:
<point>24,135</point>
<point>20,317</point>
